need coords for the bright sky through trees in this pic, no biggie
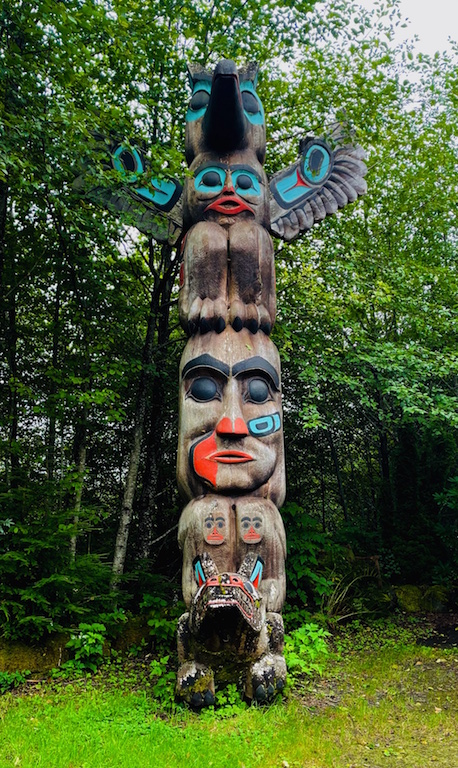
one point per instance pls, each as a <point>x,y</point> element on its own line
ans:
<point>434,22</point>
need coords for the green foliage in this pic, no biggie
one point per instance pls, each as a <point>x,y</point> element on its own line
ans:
<point>229,702</point>
<point>86,646</point>
<point>162,620</point>
<point>11,680</point>
<point>163,674</point>
<point>308,548</point>
<point>306,650</point>
<point>366,324</point>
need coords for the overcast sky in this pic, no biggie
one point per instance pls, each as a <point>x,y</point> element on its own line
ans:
<point>432,20</point>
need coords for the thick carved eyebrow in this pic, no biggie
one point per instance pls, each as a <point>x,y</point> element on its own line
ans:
<point>206,361</point>
<point>257,364</point>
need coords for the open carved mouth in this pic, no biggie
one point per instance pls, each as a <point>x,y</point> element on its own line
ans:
<point>230,457</point>
<point>230,204</point>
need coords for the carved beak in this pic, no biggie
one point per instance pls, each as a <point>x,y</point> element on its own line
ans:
<point>224,124</point>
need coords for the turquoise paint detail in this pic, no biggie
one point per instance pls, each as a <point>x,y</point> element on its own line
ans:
<point>119,166</point>
<point>264,425</point>
<point>289,189</point>
<point>199,573</point>
<point>258,119</point>
<point>256,572</point>
<point>316,177</point>
<point>199,184</point>
<point>195,114</point>
<point>160,192</point>
<point>255,189</point>
<point>238,173</point>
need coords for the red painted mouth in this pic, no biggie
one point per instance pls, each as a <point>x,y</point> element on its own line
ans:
<point>230,457</point>
<point>252,537</point>
<point>215,536</point>
<point>229,204</point>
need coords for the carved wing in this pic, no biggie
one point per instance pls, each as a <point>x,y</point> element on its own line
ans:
<point>323,180</point>
<point>155,208</point>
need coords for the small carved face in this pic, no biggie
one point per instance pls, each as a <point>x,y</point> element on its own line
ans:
<point>223,191</point>
<point>251,526</point>
<point>230,434</point>
<point>215,527</point>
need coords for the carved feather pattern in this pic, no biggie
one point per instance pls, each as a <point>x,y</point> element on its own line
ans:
<point>317,185</point>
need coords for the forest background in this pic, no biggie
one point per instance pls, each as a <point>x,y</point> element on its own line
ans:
<point>90,339</point>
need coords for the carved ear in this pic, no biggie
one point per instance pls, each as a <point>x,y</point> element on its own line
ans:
<point>251,569</point>
<point>197,72</point>
<point>198,571</point>
<point>256,573</point>
<point>204,568</point>
<point>249,72</point>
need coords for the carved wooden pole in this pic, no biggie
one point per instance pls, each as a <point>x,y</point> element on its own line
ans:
<point>231,469</point>
<point>231,465</point>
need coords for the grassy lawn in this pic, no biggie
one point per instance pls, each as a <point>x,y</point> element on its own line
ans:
<point>391,707</point>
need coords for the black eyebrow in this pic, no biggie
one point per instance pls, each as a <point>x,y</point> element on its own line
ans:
<point>257,364</point>
<point>248,168</point>
<point>206,361</point>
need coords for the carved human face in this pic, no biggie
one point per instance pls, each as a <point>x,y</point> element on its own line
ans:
<point>226,189</point>
<point>230,434</point>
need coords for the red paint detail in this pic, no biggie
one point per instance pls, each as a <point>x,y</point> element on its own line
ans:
<point>300,181</point>
<point>226,427</point>
<point>252,535</point>
<point>181,274</point>
<point>229,203</point>
<point>256,581</point>
<point>230,457</point>
<point>200,580</point>
<point>215,535</point>
<point>183,243</point>
<point>204,466</point>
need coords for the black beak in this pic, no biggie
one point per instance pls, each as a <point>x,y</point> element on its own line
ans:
<point>224,124</point>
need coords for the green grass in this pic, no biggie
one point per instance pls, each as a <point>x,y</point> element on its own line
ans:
<point>389,707</point>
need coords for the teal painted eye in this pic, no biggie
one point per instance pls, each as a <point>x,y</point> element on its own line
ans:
<point>251,103</point>
<point>246,183</point>
<point>199,101</point>
<point>128,162</point>
<point>316,163</point>
<point>210,179</point>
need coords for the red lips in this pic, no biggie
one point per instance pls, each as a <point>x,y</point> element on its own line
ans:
<point>230,204</point>
<point>229,457</point>
<point>205,458</point>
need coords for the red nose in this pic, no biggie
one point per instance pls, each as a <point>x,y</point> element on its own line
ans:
<point>227,427</point>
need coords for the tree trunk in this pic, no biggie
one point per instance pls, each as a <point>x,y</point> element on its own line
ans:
<point>79,454</point>
<point>335,460</point>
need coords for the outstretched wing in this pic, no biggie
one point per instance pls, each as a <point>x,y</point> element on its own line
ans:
<point>323,180</point>
<point>155,208</point>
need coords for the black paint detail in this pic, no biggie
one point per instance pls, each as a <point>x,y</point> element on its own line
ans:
<point>203,389</point>
<point>206,361</point>
<point>257,363</point>
<point>250,103</point>
<point>258,390</point>
<point>199,100</point>
<point>224,123</point>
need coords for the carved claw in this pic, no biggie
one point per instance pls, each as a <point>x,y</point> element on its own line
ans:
<point>266,678</point>
<point>195,685</point>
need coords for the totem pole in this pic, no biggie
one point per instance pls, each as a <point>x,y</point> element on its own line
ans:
<point>230,467</point>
